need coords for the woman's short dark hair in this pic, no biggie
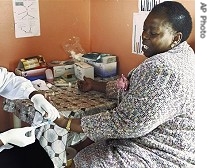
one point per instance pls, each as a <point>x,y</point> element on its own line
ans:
<point>177,15</point>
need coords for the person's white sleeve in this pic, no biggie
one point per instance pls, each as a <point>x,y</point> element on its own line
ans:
<point>14,87</point>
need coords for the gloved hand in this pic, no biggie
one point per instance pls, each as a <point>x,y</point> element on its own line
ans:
<point>17,136</point>
<point>44,107</point>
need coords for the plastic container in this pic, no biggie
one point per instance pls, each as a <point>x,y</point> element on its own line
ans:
<point>49,75</point>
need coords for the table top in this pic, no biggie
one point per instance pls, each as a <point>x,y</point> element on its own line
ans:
<point>69,101</point>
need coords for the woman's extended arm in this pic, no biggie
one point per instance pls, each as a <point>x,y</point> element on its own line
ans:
<point>75,125</point>
<point>89,84</point>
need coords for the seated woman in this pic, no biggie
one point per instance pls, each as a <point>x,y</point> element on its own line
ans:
<point>153,125</point>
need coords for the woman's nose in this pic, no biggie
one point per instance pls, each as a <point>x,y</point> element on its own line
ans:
<point>145,35</point>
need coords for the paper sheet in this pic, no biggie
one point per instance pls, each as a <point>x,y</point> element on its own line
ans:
<point>138,22</point>
<point>144,7</point>
<point>26,18</point>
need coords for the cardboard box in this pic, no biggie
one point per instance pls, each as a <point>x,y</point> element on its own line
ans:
<point>82,69</point>
<point>105,70</point>
<point>62,69</point>
<point>109,59</point>
<point>32,68</point>
<point>34,62</point>
<point>99,57</point>
<point>106,66</point>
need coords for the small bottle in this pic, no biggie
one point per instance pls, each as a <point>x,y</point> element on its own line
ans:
<point>49,75</point>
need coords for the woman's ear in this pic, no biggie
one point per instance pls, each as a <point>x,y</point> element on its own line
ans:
<point>177,39</point>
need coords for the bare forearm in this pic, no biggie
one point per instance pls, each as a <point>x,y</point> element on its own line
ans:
<point>75,127</point>
<point>75,123</point>
<point>82,144</point>
<point>99,86</point>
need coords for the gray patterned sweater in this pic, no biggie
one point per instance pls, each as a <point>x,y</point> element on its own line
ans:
<point>153,126</point>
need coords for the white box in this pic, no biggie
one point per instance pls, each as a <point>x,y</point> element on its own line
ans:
<point>62,69</point>
<point>82,69</point>
<point>103,69</point>
<point>104,59</point>
<point>109,59</point>
<point>107,67</point>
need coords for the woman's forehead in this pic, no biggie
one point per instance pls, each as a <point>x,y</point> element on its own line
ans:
<point>156,20</point>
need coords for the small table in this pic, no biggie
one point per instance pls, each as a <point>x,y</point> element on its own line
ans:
<point>70,102</point>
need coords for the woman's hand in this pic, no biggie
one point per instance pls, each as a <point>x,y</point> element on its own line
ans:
<point>85,85</point>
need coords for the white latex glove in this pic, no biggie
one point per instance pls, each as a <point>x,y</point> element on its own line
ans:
<point>17,136</point>
<point>44,107</point>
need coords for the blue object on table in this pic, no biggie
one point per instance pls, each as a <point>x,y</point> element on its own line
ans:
<point>32,78</point>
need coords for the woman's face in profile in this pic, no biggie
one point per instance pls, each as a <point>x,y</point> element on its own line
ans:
<point>157,34</point>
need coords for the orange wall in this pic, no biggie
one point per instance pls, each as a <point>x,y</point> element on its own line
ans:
<point>111,29</point>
